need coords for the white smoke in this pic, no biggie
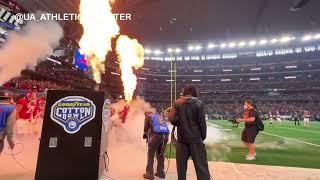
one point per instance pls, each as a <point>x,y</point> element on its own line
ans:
<point>214,134</point>
<point>126,147</point>
<point>24,49</point>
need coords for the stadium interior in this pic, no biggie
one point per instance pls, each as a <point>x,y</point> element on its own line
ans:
<point>268,51</point>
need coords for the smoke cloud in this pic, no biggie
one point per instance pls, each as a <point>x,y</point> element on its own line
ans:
<point>126,148</point>
<point>22,164</point>
<point>25,48</point>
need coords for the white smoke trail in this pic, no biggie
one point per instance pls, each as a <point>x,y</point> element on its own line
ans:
<point>24,49</point>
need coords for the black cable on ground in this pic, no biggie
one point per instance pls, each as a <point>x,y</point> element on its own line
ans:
<point>106,162</point>
<point>20,163</point>
<point>16,153</point>
<point>106,165</point>
<point>14,158</point>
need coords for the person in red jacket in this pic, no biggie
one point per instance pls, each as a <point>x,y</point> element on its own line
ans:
<point>26,108</point>
<point>23,107</point>
<point>41,104</point>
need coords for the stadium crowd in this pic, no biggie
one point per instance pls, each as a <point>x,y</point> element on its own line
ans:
<point>210,86</point>
<point>235,109</point>
<point>69,76</point>
<point>265,96</point>
<point>35,85</point>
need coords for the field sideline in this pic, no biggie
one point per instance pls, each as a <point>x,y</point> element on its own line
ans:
<point>287,145</point>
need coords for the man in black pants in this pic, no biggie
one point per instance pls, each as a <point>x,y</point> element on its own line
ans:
<point>7,119</point>
<point>188,115</point>
<point>296,118</point>
<point>156,131</point>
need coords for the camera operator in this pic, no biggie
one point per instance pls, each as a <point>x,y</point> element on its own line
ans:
<point>7,118</point>
<point>253,125</point>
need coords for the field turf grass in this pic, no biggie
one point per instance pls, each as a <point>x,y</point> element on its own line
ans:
<point>287,145</point>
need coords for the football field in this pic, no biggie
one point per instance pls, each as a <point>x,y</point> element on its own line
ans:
<point>287,145</point>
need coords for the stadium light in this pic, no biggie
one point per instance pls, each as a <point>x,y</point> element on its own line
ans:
<point>263,42</point>
<point>170,50</point>
<point>286,39</point>
<point>306,37</point>
<point>147,51</point>
<point>317,36</point>
<point>232,44</point>
<point>210,46</point>
<point>290,77</point>
<point>274,40</point>
<point>242,43</point>
<point>198,47</point>
<point>190,48</point>
<point>157,52</point>
<point>223,45</point>
<point>252,43</point>
<point>178,50</point>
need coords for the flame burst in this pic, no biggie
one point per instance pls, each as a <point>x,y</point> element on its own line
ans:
<point>99,27</point>
<point>131,55</point>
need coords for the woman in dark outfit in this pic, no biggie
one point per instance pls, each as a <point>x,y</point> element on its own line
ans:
<point>251,130</point>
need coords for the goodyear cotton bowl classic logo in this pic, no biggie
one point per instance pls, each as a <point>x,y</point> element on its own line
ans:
<point>73,112</point>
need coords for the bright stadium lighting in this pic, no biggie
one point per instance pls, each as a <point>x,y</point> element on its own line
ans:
<point>198,47</point>
<point>170,50</point>
<point>306,37</point>
<point>178,50</point>
<point>274,40</point>
<point>242,43</point>
<point>223,45</point>
<point>147,51</point>
<point>210,46</point>
<point>286,39</point>
<point>157,52</point>
<point>263,42</point>
<point>317,36</point>
<point>190,48</point>
<point>232,44</point>
<point>252,43</point>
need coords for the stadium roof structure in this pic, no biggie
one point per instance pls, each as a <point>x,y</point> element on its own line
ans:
<point>171,21</point>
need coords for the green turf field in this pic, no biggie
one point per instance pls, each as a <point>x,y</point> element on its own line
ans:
<point>286,145</point>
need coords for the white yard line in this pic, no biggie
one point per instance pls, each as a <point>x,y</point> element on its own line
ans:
<point>298,129</point>
<point>317,145</point>
<point>210,124</point>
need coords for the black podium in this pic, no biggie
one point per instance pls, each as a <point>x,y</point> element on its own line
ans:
<point>71,135</point>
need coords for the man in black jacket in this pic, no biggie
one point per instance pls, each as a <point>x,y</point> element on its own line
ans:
<point>188,115</point>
